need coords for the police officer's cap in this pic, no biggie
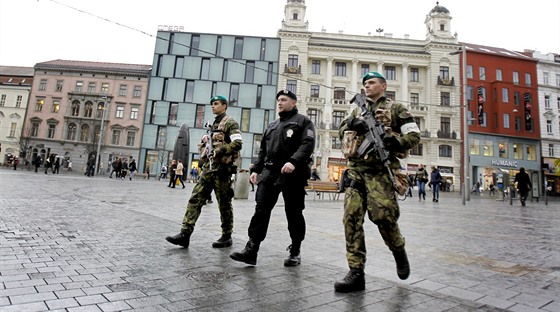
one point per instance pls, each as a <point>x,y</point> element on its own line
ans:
<point>370,75</point>
<point>287,93</point>
<point>221,98</point>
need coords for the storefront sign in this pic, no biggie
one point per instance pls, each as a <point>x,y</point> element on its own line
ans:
<point>504,163</point>
<point>337,161</point>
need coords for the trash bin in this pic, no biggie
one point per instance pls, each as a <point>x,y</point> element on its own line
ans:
<point>241,185</point>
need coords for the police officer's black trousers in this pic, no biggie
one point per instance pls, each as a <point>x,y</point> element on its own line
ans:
<point>266,197</point>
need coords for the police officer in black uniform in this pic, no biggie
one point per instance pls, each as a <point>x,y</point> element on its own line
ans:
<point>283,166</point>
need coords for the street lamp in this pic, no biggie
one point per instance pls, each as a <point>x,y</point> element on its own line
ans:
<point>103,109</point>
<point>465,177</point>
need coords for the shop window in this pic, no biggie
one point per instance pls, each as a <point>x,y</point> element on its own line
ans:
<point>503,150</point>
<point>517,150</point>
<point>488,148</point>
<point>531,152</point>
<point>475,147</point>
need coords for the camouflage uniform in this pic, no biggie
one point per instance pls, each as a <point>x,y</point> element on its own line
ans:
<point>371,188</point>
<point>216,177</point>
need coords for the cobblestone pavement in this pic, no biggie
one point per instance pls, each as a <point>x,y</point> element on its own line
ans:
<point>74,243</point>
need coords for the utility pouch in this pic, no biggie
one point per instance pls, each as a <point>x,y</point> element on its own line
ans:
<point>351,141</point>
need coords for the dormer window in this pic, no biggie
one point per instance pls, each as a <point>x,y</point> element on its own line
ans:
<point>442,27</point>
<point>295,16</point>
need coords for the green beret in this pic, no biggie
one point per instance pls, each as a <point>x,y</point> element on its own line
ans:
<point>370,75</point>
<point>287,93</point>
<point>221,98</point>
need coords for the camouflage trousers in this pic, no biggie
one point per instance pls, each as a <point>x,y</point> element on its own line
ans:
<point>218,180</point>
<point>373,194</point>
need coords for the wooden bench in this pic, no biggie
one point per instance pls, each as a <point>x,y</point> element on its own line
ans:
<point>322,187</point>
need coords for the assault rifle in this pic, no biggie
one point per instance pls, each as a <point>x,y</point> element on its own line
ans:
<point>209,147</point>
<point>373,141</point>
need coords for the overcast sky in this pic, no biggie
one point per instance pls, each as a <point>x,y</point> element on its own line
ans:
<point>33,31</point>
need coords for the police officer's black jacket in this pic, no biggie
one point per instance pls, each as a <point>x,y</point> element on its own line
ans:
<point>290,138</point>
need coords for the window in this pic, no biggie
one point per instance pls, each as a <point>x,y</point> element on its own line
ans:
<point>91,87</point>
<point>338,116</point>
<point>414,74</point>
<point>292,60</point>
<point>195,43</point>
<point>59,84</point>
<point>365,69</point>
<point>84,133</point>
<point>13,127</point>
<point>390,73</point>
<point>506,121</point>
<point>558,102</point>
<point>444,72</point>
<point>120,111</point>
<point>263,49</point>
<point>445,124</point>
<point>527,79</point>
<point>100,110</point>
<point>517,151</point>
<point>55,106</point>
<point>291,85</point>
<point>257,139</point>
<point>488,148</point>
<point>50,131</point>
<point>339,93</point>
<point>189,91</point>
<point>88,109</point>
<point>313,115</point>
<point>445,99</point>
<point>116,138</point>
<point>18,100</point>
<point>39,105</point>
<point>34,131</point>
<point>517,123</point>
<point>316,67</point>
<point>498,74</point>
<point>71,132</point>
<point>238,48</point>
<point>549,126</point>
<point>199,119</point>
<point>558,80</point>
<point>179,63</point>
<point>515,78</point>
<point>335,142</point>
<point>417,150</point>
<point>469,71</point>
<point>172,119</point>
<point>137,91</point>
<point>545,78</point>
<point>474,147</point>
<point>43,85</point>
<point>270,73</point>
<point>234,94</point>
<point>123,90</point>
<point>245,119</point>
<point>505,95</point>
<point>205,69</point>
<point>531,152</point>
<point>161,137</point>
<point>503,150</point>
<point>516,98</point>
<point>259,97</point>
<point>547,101</point>
<point>314,91</point>
<point>482,73</point>
<point>390,95</point>
<point>130,138</point>
<point>134,113</point>
<point>340,69</point>
<point>249,72</point>
<point>551,150</point>
<point>445,151</point>
<point>79,86</point>
<point>2,100</point>
<point>75,108</point>
<point>414,98</point>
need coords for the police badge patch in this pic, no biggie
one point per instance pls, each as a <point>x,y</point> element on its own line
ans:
<point>310,133</point>
<point>289,133</point>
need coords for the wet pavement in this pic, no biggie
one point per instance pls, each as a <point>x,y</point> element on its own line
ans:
<point>74,243</point>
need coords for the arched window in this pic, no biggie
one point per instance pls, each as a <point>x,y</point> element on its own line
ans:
<point>100,109</point>
<point>84,133</point>
<point>71,132</point>
<point>88,109</point>
<point>75,108</point>
<point>96,131</point>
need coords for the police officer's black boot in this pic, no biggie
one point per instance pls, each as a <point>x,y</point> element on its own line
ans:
<point>248,255</point>
<point>353,281</point>
<point>403,268</point>
<point>224,241</point>
<point>181,239</point>
<point>294,259</point>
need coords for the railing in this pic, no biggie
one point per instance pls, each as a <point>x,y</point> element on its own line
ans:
<point>292,69</point>
<point>340,102</point>
<point>418,107</point>
<point>315,100</point>
<point>446,135</point>
<point>446,82</point>
<point>425,134</point>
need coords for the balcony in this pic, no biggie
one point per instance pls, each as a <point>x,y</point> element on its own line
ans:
<point>425,134</point>
<point>311,100</point>
<point>418,108</point>
<point>340,102</point>
<point>446,82</point>
<point>447,135</point>
<point>292,69</point>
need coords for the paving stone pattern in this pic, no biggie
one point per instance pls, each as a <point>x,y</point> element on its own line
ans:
<point>73,243</point>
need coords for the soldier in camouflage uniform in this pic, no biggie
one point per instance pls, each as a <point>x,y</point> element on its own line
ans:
<point>369,187</point>
<point>219,164</point>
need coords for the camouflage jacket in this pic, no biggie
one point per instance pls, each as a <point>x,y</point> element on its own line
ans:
<point>226,140</point>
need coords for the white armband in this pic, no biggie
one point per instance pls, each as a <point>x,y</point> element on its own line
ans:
<point>239,137</point>
<point>410,127</point>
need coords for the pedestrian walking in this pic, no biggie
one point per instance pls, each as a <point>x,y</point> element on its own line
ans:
<point>410,185</point>
<point>524,184</point>
<point>179,174</point>
<point>172,170</point>
<point>124,168</point>
<point>283,166</point>
<point>15,162</point>
<point>69,166</point>
<point>163,173</point>
<point>370,189</point>
<point>132,168</point>
<point>435,182</point>
<point>37,162</point>
<point>220,163</point>
<point>56,168</point>
<point>90,166</point>
<point>421,177</point>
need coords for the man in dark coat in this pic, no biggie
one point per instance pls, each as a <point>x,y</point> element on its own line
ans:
<point>524,184</point>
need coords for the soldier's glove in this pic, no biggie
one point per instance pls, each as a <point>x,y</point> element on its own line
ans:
<point>392,144</point>
<point>358,125</point>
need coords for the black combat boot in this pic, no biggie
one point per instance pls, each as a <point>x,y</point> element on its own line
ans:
<point>403,268</point>
<point>294,259</point>
<point>224,241</point>
<point>181,239</point>
<point>353,281</point>
<point>248,255</point>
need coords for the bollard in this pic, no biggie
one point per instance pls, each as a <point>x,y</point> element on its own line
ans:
<point>241,185</point>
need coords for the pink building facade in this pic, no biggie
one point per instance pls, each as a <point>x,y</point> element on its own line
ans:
<point>77,108</point>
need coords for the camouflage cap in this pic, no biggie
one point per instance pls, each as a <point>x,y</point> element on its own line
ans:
<point>221,98</point>
<point>370,75</point>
